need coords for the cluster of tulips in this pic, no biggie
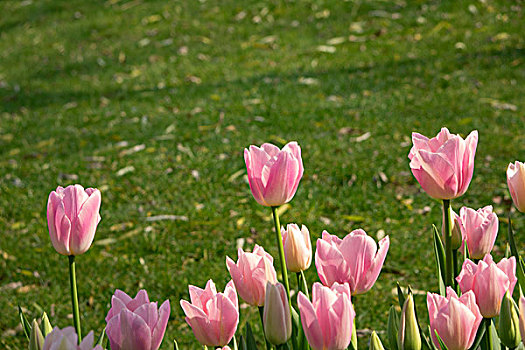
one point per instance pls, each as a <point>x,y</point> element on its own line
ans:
<point>462,314</point>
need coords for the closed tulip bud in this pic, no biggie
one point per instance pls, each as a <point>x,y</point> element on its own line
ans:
<point>457,238</point>
<point>46,325</point>
<point>509,332</point>
<point>375,342</point>
<point>297,247</point>
<point>36,341</point>
<point>516,183</point>
<point>522,318</point>
<point>393,328</point>
<point>276,316</point>
<point>408,336</point>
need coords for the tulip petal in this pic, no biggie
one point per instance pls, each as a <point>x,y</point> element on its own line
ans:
<point>85,224</point>
<point>309,321</point>
<point>158,331</point>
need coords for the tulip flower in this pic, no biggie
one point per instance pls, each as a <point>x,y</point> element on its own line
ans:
<point>522,318</point>
<point>516,183</point>
<point>408,336</point>
<point>36,338</point>
<point>489,282</point>
<point>479,229</point>
<point>375,342</point>
<point>276,318</point>
<point>212,316</point>
<point>72,218</point>
<point>136,323</point>
<point>443,165</point>
<point>274,174</point>
<point>67,339</point>
<point>354,259</point>
<point>509,322</point>
<point>297,247</point>
<point>251,273</point>
<point>327,320</point>
<point>456,319</point>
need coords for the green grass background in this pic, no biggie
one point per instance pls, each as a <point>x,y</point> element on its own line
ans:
<point>192,83</point>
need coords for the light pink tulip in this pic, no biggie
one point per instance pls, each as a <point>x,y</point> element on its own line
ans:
<point>489,282</point>
<point>224,348</point>
<point>297,247</point>
<point>212,316</point>
<point>136,324</point>
<point>251,273</point>
<point>522,318</point>
<point>443,165</point>
<point>274,174</point>
<point>516,183</point>
<point>354,259</point>
<point>456,320</point>
<point>276,317</point>
<point>66,339</point>
<point>327,320</point>
<point>72,218</point>
<point>479,229</point>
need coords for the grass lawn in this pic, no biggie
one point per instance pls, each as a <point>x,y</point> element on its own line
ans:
<point>153,102</point>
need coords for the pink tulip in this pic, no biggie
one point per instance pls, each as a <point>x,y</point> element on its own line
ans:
<point>456,320</point>
<point>516,183</point>
<point>66,339</point>
<point>443,165</point>
<point>479,229</point>
<point>297,247</point>
<point>224,348</point>
<point>276,317</point>
<point>489,282</point>
<point>72,218</point>
<point>354,259</point>
<point>251,273</point>
<point>274,174</point>
<point>212,316</point>
<point>522,318</point>
<point>136,324</point>
<point>327,320</point>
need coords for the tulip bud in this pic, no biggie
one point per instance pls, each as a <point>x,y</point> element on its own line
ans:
<point>46,325</point>
<point>375,342</point>
<point>36,341</point>
<point>522,318</point>
<point>509,332</point>
<point>297,247</point>
<point>276,316</point>
<point>408,337</point>
<point>393,328</point>
<point>457,238</point>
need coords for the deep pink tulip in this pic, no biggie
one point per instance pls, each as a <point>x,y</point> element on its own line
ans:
<point>516,183</point>
<point>489,282</point>
<point>136,324</point>
<point>274,174</point>
<point>327,320</point>
<point>212,316</point>
<point>443,165</point>
<point>251,273</point>
<point>479,230</point>
<point>456,320</point>
<point>297,247</point>
<point>522,318</point>
<point>72,218</point>
<point>66,339</point>
<point>354,259</point>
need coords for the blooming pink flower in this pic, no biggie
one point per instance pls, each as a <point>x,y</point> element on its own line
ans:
<point>297,247</point>
<point>212,316</point>
<point>136,324</point>
<point>443,165</point>
<point>479,230</point>
<point>489,282</point>
<point>274,174</point>
<point>354,259</point>
<point>522,318</point>
<point>66,339</point>
<point>251,273</point>
<point>456,320</point>
<point>72,218</point>
<point>516,183</point>
<point>327,320</point>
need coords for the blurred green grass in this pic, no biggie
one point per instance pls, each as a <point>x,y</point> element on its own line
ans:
<point>153,102</point>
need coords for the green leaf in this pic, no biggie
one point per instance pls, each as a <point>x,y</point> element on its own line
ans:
<point>393,328</point>
<point>439,252</point>
<point>46,325</point>
<point>400,296</point>
<point>25,323</point>
<point>101,337</point>
<point>433,346</point>
<point>242,344</point>
<point>479,337</point>
<point>520,266</point>
<point>250,340</point>
<point>175,345</point>
<point>443,346</point>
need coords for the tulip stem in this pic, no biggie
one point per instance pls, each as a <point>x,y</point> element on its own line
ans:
<point>281,254</point>
<point>455,257</point>
<point>447,230</point>
<point>301,283</point>
<point>488,333</point>
<point>74,296</point>
<point>261,313</point>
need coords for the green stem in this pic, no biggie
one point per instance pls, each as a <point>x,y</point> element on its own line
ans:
<point>301,283</point>
<point>261,313</point>
<point>456,272</point>
<point>281,254</point>
<point>447,230</point>
<point>74,296</point>
<point>488,333</point>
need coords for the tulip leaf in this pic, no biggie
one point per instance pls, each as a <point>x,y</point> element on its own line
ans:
<point>440,260</point>
<point>393,328</point>
<point>520,266</point>
<point>175,345</point>
<point>242,343</point>
<point>250,339</point>
<point>101,337</point>
<point>441,344</point>
<point>234,343</point>
<point>479,336</point>
<point>400,296</point>
<point>433,346</point>
<point>25,323</point>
